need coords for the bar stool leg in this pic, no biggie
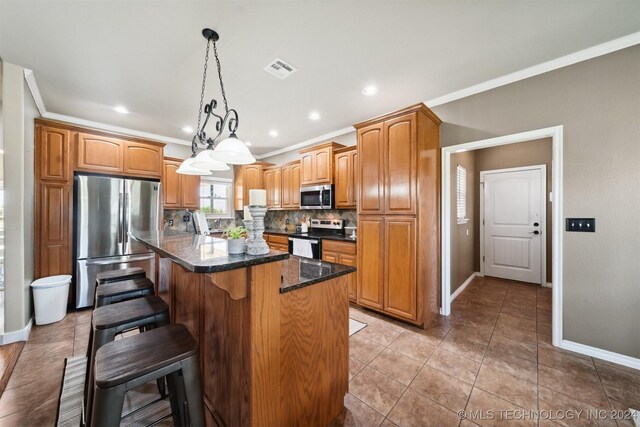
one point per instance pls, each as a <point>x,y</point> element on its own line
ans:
<point>101,337</point>
<point>193,390</point>
<point>176,397</point>
<point>107,406</point>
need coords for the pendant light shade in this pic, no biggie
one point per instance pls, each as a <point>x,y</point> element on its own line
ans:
<point>204,160</point>
<point>233,151</point>
<point>186,168</point>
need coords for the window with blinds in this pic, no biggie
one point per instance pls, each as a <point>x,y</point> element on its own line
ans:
<point>461,194</point>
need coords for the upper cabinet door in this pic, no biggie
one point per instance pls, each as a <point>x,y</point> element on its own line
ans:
<point>401,163</point>
<point>53,151</point>
<point>277,188</point>
<point>306,169</point>
<point>99,154</point>
<point>268,186</point>
<point>344,180</point>
<point>322,167</point>
<point>142,159</point>
<point>371,170</point>
<point>354,176</point>
<point>190,189</point>
<point>286,186</point>
<point>295,186</point>
<point>252,180</point>
<point>171,184</point>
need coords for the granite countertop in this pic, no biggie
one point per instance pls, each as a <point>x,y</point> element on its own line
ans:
<point>201,254</point>
<point>312,234</point>
<point>300,272</point>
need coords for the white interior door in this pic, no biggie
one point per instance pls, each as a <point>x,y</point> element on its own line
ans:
<point>514,220</point>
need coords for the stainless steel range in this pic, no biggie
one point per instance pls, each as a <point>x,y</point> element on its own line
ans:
<point>309,245</point>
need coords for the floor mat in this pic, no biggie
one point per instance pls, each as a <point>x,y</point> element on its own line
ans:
<point>355,326</point>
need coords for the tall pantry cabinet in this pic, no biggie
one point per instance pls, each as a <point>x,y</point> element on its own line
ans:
<point>399,214</point>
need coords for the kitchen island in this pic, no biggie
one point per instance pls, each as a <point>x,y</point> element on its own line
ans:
<point>272,329</point>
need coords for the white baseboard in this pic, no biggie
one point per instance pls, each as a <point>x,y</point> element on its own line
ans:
<point>463,286</point>
<point>609,356</point>
<point>547,285</point>
<point>15,336</point>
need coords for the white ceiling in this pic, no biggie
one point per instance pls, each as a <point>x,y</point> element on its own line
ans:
<point>89,56</point>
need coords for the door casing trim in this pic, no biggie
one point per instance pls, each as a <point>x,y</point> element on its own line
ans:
<point>556,135</point>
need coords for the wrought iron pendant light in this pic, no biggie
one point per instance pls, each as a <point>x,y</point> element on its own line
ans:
<point>230,150</point>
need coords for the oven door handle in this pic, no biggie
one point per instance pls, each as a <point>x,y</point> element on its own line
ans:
<point>313,242</point>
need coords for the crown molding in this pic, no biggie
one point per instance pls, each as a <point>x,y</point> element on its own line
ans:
<point>564,61</point>
<point>35,90</point>
<point>307,143</point>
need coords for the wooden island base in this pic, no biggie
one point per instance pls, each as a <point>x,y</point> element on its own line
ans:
<point>267,359</point>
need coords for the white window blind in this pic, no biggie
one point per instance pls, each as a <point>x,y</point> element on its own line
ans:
<point>461,193</point>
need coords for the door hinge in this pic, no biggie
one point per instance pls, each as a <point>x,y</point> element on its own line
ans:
<point>482,258</point>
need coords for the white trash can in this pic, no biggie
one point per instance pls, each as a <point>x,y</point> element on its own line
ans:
<point>50,295</point>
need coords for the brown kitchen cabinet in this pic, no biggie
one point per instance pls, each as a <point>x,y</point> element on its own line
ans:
<point>316,164</point>
<point>247,177</point>
<point>398,154</point>
<point>272,178</point>
<point>291,185</point>
<point>143,159</point>
<point>53,154</point>
<point>278,242</point>
<point>342,253</point>
<point>60,149</point>
<point>179,191</point>
<point>345,161</point>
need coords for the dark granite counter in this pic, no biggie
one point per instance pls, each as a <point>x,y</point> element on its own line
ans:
<point>201,254</point>
<point>299,272</point>
<point>312,234</point>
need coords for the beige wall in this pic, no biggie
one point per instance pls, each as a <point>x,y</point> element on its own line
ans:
<point>463,252</point>
<point>598,103</point>
<point>527,153</point>
<point>18,113</point>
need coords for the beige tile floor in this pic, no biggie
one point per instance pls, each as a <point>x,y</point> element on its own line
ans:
<point>492,353</point>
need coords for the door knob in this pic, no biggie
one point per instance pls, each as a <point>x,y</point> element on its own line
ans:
<point>534,232</point>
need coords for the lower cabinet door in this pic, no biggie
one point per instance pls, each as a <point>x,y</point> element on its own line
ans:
<point>351,261</point>
<point>371,261</point>
<point>330,257</point>
<point>400,274</point>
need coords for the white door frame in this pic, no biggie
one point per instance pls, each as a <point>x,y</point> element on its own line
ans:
<point>556,135</point>
<point>543,216</point>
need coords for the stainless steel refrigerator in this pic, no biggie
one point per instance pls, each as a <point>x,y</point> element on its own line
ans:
<point>106,209</point>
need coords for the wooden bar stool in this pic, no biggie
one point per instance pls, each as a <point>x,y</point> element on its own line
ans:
<point>119,275</point>
<point>110,293</point>
<point>110,320</point>
<point>135,360</point>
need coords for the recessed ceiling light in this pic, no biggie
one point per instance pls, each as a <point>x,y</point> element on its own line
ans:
<point>120,109</point>
<point>370,90</point>
<point>187,129</point>
<point>248,144</point>
<point>314,115</point>
<point>273,133</point>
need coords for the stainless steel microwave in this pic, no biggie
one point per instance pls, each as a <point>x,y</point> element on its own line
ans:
<point>317,197</point>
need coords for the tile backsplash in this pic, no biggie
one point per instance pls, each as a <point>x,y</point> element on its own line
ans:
<point>273,219</point>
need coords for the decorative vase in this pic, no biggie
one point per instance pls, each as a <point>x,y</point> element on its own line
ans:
<point>258,246</point>
<point>235,246</point>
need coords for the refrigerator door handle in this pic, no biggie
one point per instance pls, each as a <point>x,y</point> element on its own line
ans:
<point>121,260</point>
<point>126,217</point>
<point>119,218</point>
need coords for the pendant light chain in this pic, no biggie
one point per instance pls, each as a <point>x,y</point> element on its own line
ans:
<point>204,82</point>
<point>224,96</point>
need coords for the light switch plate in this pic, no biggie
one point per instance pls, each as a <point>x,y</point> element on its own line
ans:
<point>581,224</point>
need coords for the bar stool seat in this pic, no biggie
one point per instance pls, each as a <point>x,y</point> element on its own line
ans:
<point>119,275</point>
<point>110,293</point>
<point>109,320</point>
<point>132,361</point>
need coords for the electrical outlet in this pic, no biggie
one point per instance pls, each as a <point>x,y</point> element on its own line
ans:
<point>581,224</point>
<point>186,218</point>
<point>287,221</point>
<point>170,223</point>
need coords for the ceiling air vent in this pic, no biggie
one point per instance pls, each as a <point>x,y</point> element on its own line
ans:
<point>280,68</point>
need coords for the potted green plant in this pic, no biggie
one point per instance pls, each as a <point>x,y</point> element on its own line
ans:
<point>235,239</point>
